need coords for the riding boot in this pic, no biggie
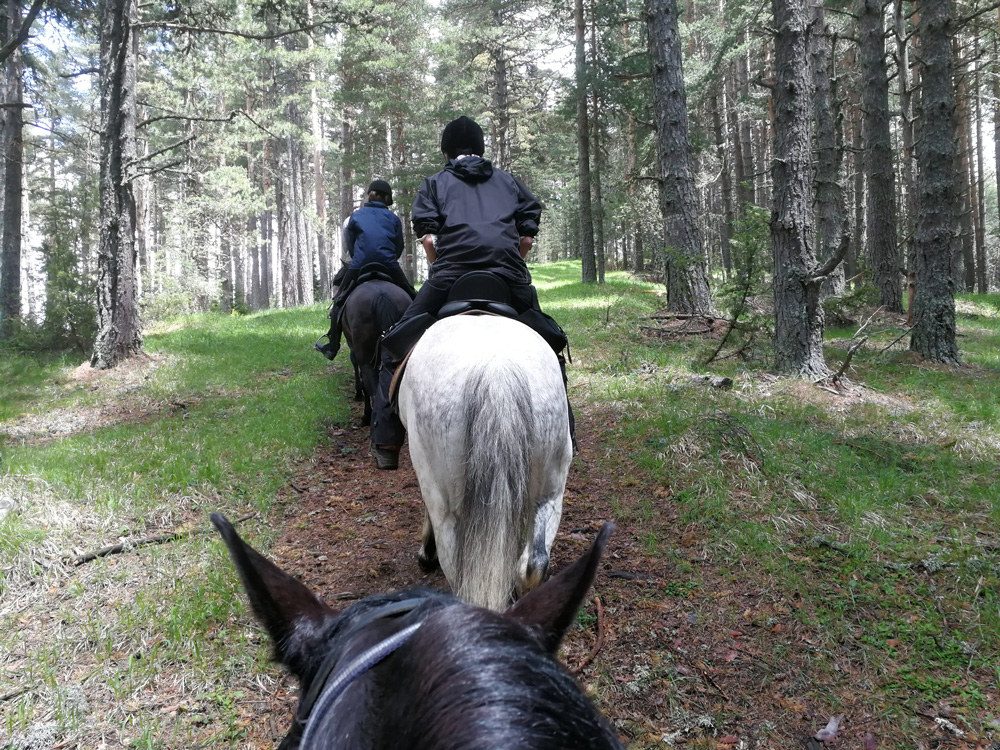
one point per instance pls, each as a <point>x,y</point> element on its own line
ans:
<point>330,349</point>
<point>387,431</point>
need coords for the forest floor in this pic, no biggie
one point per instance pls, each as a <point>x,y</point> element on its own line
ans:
<point>785,552</point>
<point>721,663</point>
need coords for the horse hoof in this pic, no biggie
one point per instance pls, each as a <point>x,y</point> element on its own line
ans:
<point>428,564</point>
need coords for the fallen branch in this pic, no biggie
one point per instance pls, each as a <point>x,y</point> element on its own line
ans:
<point>677,332</point>
<point>850,355</point>
<point>895,340</point>
<point>600,638</point>
<point>116,549</point>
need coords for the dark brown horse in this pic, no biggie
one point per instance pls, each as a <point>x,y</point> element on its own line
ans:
<point>422,670</point>
<point>370,310</point>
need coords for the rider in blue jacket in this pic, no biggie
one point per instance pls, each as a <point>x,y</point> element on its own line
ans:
<point>471,217</point>
<point>374,234</point>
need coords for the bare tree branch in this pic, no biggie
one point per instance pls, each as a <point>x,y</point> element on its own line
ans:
<point>234,32</point>
<point>154,154</point>
<point>22,35</point>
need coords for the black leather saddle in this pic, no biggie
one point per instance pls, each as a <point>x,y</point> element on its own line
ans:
<point>478,291</point>
<point>474,292</point>
<point>373,272</point>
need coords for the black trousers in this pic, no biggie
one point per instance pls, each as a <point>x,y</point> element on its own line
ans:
<point>347,284</point>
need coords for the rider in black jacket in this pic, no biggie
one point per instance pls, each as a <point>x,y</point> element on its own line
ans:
<point>471,216</point>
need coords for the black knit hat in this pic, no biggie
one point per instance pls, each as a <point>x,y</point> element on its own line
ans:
<point>383,187</point>
<point>462,136</point>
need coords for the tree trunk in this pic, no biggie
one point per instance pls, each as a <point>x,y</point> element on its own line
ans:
<point>589,271</point>
<point>12,155</point>
<point>856,249</point>
<point>906,131</point>
<point>746,170</point>
<point>284,209</point>
<point>934,331</point>
<point>119,334</point>
<point>829,192</point>
<point>964,260</point>
<point>686,280</point>
<point>733,123</point>
<point>598,205</point>
<point>881,208</point>
<point>717,104</point>
<point>981,263</point>
<point>500,99</point>
<point>798,325</point>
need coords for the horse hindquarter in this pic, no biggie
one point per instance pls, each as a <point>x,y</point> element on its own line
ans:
<point>485,408</point>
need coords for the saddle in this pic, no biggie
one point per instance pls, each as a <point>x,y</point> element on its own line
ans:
<point>368,272</point>
<point>474,293</point>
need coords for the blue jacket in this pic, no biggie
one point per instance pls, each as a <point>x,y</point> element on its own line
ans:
<point>374,235</point>
<point>478,213</point>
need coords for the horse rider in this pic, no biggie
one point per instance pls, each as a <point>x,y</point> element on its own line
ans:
<point>471,217</point>
<point>374,234</point>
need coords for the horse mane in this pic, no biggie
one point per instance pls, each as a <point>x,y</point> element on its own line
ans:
<point>469,678</point>
<point>499,416</point>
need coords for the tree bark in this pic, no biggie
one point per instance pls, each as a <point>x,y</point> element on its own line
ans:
<point>718,104</point>
<point>934,334</point>
<point>12,184</point>
<point>119,334</point>
<point>798,329</point>
<point>858,230</point>
<point>500,95</point>
<point>686,279</point>
<point>881,207</point>
<point>906,131</point>
<point>829,191</point>
<point>963,261</point>
<point>981,263</point>
<point>589,270</point>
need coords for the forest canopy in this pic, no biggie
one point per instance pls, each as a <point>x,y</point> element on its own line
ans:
<point>171,158</point>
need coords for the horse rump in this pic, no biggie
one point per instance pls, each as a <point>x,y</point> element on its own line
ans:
<point>485,409</point>
<point>423,670</point>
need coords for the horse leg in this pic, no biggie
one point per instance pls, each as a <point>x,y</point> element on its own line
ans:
<point>548,504</point>
<point>358,388</point>
<point>427,558</point>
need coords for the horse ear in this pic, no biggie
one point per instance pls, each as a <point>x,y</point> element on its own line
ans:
<point>290,612</point>
<point>552,607</point>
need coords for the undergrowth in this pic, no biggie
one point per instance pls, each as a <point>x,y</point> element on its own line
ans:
<point>874,510</point>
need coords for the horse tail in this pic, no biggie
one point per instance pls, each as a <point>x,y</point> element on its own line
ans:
<point>496,517</point>
<point>384,311</point>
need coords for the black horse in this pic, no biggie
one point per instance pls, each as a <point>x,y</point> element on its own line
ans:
<point>422,670</point>
<point>370,310</point>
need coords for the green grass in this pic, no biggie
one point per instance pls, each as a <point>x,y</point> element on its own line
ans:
<point>864,510</point>
<point>229,409</point>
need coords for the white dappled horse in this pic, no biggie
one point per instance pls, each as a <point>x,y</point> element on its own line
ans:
<point>484,404</point>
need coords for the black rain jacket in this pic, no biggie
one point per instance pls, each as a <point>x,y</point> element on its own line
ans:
<point>478,213</point>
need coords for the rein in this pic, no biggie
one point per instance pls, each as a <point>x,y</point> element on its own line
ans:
<point>326,689</point>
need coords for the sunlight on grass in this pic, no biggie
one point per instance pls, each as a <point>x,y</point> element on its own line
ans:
<point>877,505</point>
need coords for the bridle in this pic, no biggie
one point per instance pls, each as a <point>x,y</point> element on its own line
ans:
<point>327,687</point>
